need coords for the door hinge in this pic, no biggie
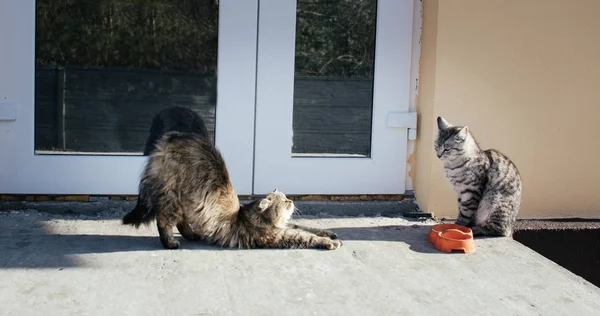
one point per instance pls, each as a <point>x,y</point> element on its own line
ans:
<point>406,120</point>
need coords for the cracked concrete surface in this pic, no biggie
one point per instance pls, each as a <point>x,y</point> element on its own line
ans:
<point>91,265</point>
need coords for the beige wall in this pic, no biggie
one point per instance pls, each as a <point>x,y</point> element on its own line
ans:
<point>524,75</point>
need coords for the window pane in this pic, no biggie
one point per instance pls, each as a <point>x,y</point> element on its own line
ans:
<point>104,68</point>
<point>333,86</point>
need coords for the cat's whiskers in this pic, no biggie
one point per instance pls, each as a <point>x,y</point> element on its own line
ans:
<point>296,211</point>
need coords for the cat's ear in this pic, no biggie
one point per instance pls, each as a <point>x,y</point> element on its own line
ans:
<point>264,204</point>
<point>275,191</point>
<point>463,132</point>
<point>442,123</point>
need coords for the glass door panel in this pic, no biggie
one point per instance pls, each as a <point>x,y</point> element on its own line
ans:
<point>86,78</point>
<point>105,68</point>
<point>333,78</point>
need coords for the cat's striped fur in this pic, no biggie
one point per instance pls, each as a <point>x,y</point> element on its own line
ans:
<point>186,184</point>
<point>487,183</point>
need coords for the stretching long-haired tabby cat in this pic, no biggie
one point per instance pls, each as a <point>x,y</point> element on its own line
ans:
<point>487,183</point>
<point>186,184</point>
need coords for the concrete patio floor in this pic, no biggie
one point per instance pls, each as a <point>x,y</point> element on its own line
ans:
<point>92,265</point>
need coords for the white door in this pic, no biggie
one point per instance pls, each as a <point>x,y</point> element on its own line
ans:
<point>78,94</point>
<point>321,111</point>
<point>333,86</point>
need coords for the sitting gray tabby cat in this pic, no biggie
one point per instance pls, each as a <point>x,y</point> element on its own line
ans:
<point>487,183</point>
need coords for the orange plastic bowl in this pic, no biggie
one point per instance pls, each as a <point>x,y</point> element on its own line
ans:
<point>436,229</point>
<point>455,240</point>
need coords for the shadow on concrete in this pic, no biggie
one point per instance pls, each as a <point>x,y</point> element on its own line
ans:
<point>415,236</point>
<point>59,251</point>
<point>30,242</point>
<point>55,251</point>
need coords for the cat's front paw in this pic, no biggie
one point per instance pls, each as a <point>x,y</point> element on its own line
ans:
<point>334,244</point>
<point>477,231</point>
<point>171,245</point>
<point>462,223</point>
<point>329,234</point>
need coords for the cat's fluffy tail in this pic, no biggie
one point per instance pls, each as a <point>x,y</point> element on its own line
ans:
<point>139,215</point>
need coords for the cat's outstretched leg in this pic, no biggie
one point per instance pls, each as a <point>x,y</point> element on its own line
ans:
<point>187,232</point>
<point>296,238</point>
<point>165,231</point>
<point>316,231</point>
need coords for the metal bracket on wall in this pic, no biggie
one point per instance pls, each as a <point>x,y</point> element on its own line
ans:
<point>406,120</point>
<point>8,111</point>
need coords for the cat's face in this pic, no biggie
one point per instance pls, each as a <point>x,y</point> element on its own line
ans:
<point>276,208</point>
<point>452,141</point>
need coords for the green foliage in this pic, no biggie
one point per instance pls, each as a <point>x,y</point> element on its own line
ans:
<point>156,34</point>
<point>334,37</point>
